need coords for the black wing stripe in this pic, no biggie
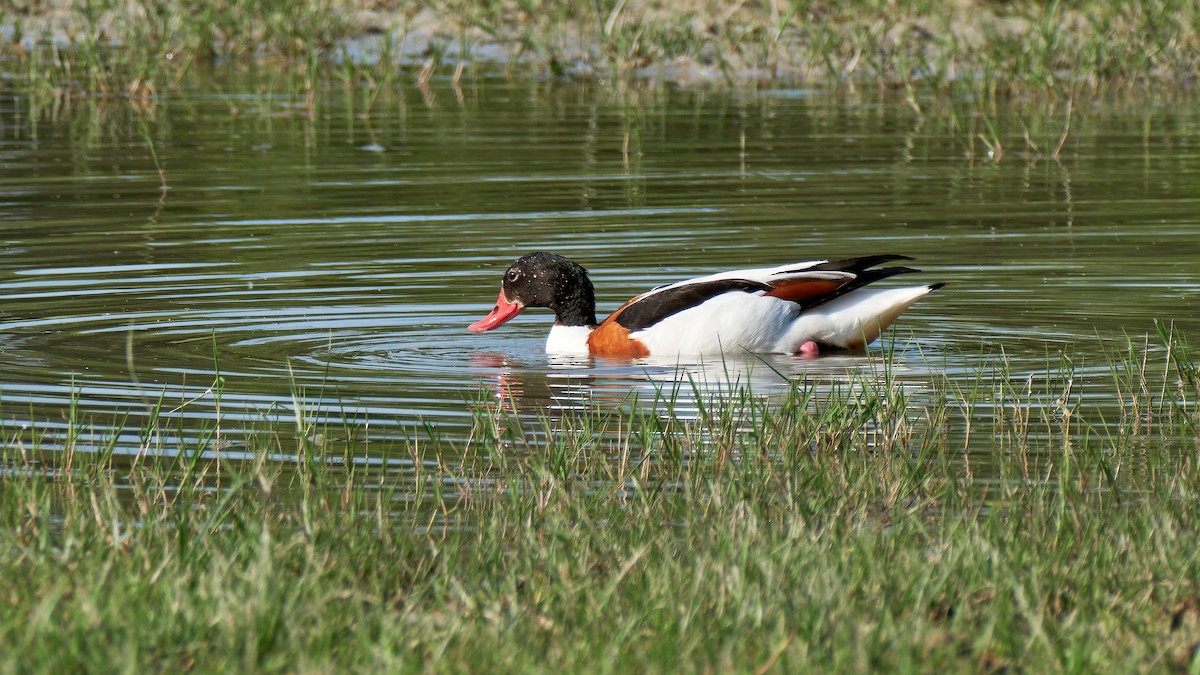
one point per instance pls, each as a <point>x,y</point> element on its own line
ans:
<point>661,304</point>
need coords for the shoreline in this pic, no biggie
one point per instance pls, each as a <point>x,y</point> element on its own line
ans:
<point>998,47</point>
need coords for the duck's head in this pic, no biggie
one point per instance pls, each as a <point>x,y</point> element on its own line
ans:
<point>543,280</point>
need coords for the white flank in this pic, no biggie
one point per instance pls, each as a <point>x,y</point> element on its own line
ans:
<point>737,322</point>
<point>852,321</point>
<point>728,323</point>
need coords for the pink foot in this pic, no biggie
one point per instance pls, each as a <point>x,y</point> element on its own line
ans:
<point>809,349</point>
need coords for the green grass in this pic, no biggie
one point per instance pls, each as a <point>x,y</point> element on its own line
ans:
<point>1009,523</point>
<point>142,48</point>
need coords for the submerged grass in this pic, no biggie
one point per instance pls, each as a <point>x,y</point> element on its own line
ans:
<point>850,525</point>
<point>1010,81</point>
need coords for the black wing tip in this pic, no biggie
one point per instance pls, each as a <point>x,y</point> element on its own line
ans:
<point>870,276</point>
<point>856,265</point>
<point>884,272</point>
<point>934,287</point>
<point>880,258</point>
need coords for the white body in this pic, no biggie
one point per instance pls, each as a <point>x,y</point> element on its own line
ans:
<point>739,321</point>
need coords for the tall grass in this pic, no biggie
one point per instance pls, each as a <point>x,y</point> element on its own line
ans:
<point>845,526</point>
<point>142,47</point>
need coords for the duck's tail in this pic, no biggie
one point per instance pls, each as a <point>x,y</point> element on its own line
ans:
<point>854,319</point>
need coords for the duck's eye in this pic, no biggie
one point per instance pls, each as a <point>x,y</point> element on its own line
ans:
<point>513,275</point>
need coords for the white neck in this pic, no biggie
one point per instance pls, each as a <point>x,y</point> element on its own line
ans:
<point>568,340</point>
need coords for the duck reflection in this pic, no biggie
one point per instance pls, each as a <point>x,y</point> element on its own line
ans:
<point>670,387</point>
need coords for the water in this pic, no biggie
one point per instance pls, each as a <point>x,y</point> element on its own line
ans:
<point>331,258</point>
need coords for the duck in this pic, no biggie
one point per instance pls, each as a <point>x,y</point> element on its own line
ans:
<point>804,308</point>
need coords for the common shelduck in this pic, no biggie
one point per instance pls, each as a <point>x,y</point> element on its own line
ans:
<point>804,307</point>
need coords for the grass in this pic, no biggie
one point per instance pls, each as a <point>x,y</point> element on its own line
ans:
<point>1012,523</point>
<point>1012,80</point>
<point>141,48</point>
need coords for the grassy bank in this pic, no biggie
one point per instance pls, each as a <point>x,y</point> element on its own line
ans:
<point>145,47</point>
<point>839,529</point>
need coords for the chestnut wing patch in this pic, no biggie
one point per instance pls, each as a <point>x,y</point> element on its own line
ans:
<point>650,309</point>
<point>804,291</point>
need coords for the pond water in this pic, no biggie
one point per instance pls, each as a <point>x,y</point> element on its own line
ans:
<point>331,255</point>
